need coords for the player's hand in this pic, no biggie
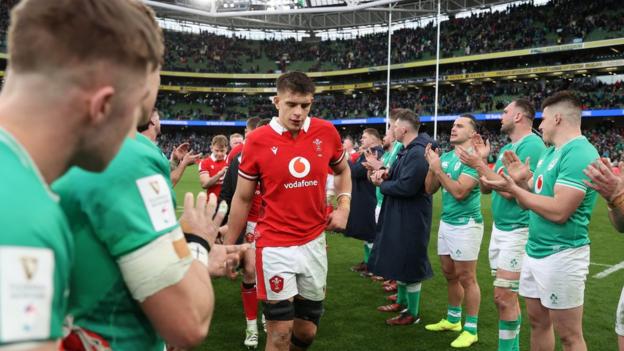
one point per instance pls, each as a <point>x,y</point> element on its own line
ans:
<point>223,260</point>
<point>432,158</point>
<point>377,177</point>
<point>504,184</point>
<point>472,160</point>
<point>481,148</point>
<point>603,180</point>
<point>180,151</point>
<point>337,220</point>
<point>199,216</point>
<point>518,171</point>
<point>372,161</point>
<point>190,158</point>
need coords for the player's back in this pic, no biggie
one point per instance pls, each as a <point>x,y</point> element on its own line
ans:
<point>35,250</point>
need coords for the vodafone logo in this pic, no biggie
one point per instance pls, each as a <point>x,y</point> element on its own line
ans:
<point>299,167</point>
<point>501,171</point>
<point>539,184</point>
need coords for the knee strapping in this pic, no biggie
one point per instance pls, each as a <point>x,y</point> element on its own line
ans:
<point>512,285</point>
<point>309,310</point>
<point>300,343</point>
<point>281,311</point>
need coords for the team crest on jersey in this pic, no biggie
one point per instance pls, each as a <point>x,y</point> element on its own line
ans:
<point>444,164</point>
<point>299,167</point>
<point>277,283</point>
<point>317,146</point>
<point>552,163</point>
<point>539,183</point>
<point>29,264</point>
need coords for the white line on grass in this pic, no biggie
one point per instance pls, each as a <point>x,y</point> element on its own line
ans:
<point>600,264</point>
<point>610,270</point>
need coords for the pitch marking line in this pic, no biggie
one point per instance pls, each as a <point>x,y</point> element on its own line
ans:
<point>610,270</point>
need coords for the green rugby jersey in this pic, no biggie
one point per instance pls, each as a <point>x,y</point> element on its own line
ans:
<point>163,161</point>
<point>459,212</point>
<point>112,214</point>
<point>507,214</point>
<point>36,249</point>
<point>388,159</point>
<point>562,166</point>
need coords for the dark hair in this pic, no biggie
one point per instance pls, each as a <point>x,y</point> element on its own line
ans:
<point>252,123</point>
<point>407,115</point>
<point>526,106</point>
<point>372,131</point>
<point>567,96</point>
<point>263,122</point>
<point>473,120</point>
<point>296,82</point>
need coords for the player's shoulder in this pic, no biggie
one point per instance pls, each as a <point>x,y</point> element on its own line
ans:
<point>580,148</point>
<point>322,125</point>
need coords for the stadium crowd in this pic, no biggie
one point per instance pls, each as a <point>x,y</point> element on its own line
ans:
<point>486,97</point>
<point>533,25</point>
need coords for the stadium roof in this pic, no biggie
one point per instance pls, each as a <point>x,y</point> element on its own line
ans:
<point>309,15</point>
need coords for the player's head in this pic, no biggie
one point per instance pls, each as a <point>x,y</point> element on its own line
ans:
<point>218,147</point>
<point>235,140</point>
<point>151,129</point>
<point>347,143</point>
<point>370,137</point>
<point>252,123</point>
<point>387,141</point>
<point>464,128</point>
<point>560,111</point>
<point>406,123</point>
<point>295,92</point>
<point>519,111</point>
<point>94,62</point>
<point>263,122</point>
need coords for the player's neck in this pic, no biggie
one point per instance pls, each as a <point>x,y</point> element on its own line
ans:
<point>519,133</point>
<point>49,144</point>
<point>408,138</point>
<point>564,135</point>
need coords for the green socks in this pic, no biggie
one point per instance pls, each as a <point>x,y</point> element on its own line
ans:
<point>471,324</point>
<point>413,298</point>
<point>453,314</point>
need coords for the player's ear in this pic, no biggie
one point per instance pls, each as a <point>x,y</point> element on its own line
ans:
<point>276,101</point>
<point>100,104</point>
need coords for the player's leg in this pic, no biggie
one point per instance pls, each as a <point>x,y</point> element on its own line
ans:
<point>466,272</point>
<point>542,332</point>
<point>311,283</point>
<point>568,324</point>
<point>277,287</point>
<point>250,298</point>
<point>455,294</point>
<point>619,322</point>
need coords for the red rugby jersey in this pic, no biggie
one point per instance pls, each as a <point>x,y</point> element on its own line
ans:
<point>292,174</point>
<point>211,166</point>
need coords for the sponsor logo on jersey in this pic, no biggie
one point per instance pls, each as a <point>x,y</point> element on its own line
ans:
<point>29,264</point>
<point>457,165</point>
<point>552,163</point>
<point>539,184</point>
<point>501,171</point>
<point>299,167</point>
<point>274,150</point>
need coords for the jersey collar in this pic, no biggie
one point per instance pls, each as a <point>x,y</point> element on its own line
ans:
<point>279,129</point>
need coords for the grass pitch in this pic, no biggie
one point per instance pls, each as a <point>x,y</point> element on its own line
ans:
<point>352,323</point>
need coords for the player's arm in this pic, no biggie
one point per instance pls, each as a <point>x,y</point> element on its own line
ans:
<point>206,180</point>
<point>342,182</point>
<point>188,159</point>
<point>241,203</point>
<point>432,185</point>
<point>460,188</point>
<point>180,309</point>
<point>617,219</point>
<point>557,208</point>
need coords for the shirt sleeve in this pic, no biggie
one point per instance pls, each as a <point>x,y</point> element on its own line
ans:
<point>337,151</point>
<point>571,169</point>
<point>249,168</point>
<point>471,172</point>
<point>133,210</point>
<point>203,166</point>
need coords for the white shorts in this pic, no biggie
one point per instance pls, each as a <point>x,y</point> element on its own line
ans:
<point>283,272</point>
<point>377,212</point>
<point>619,316</point>
<point>507,249</point>
<point>461,242</point>
<point>557,280</point>
<point>330,188</point>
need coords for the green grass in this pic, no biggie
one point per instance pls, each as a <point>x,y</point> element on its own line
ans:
<point>352,323</point>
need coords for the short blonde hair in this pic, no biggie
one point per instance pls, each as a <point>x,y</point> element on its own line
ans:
<point>52,35</point>
<point>219,141</point>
